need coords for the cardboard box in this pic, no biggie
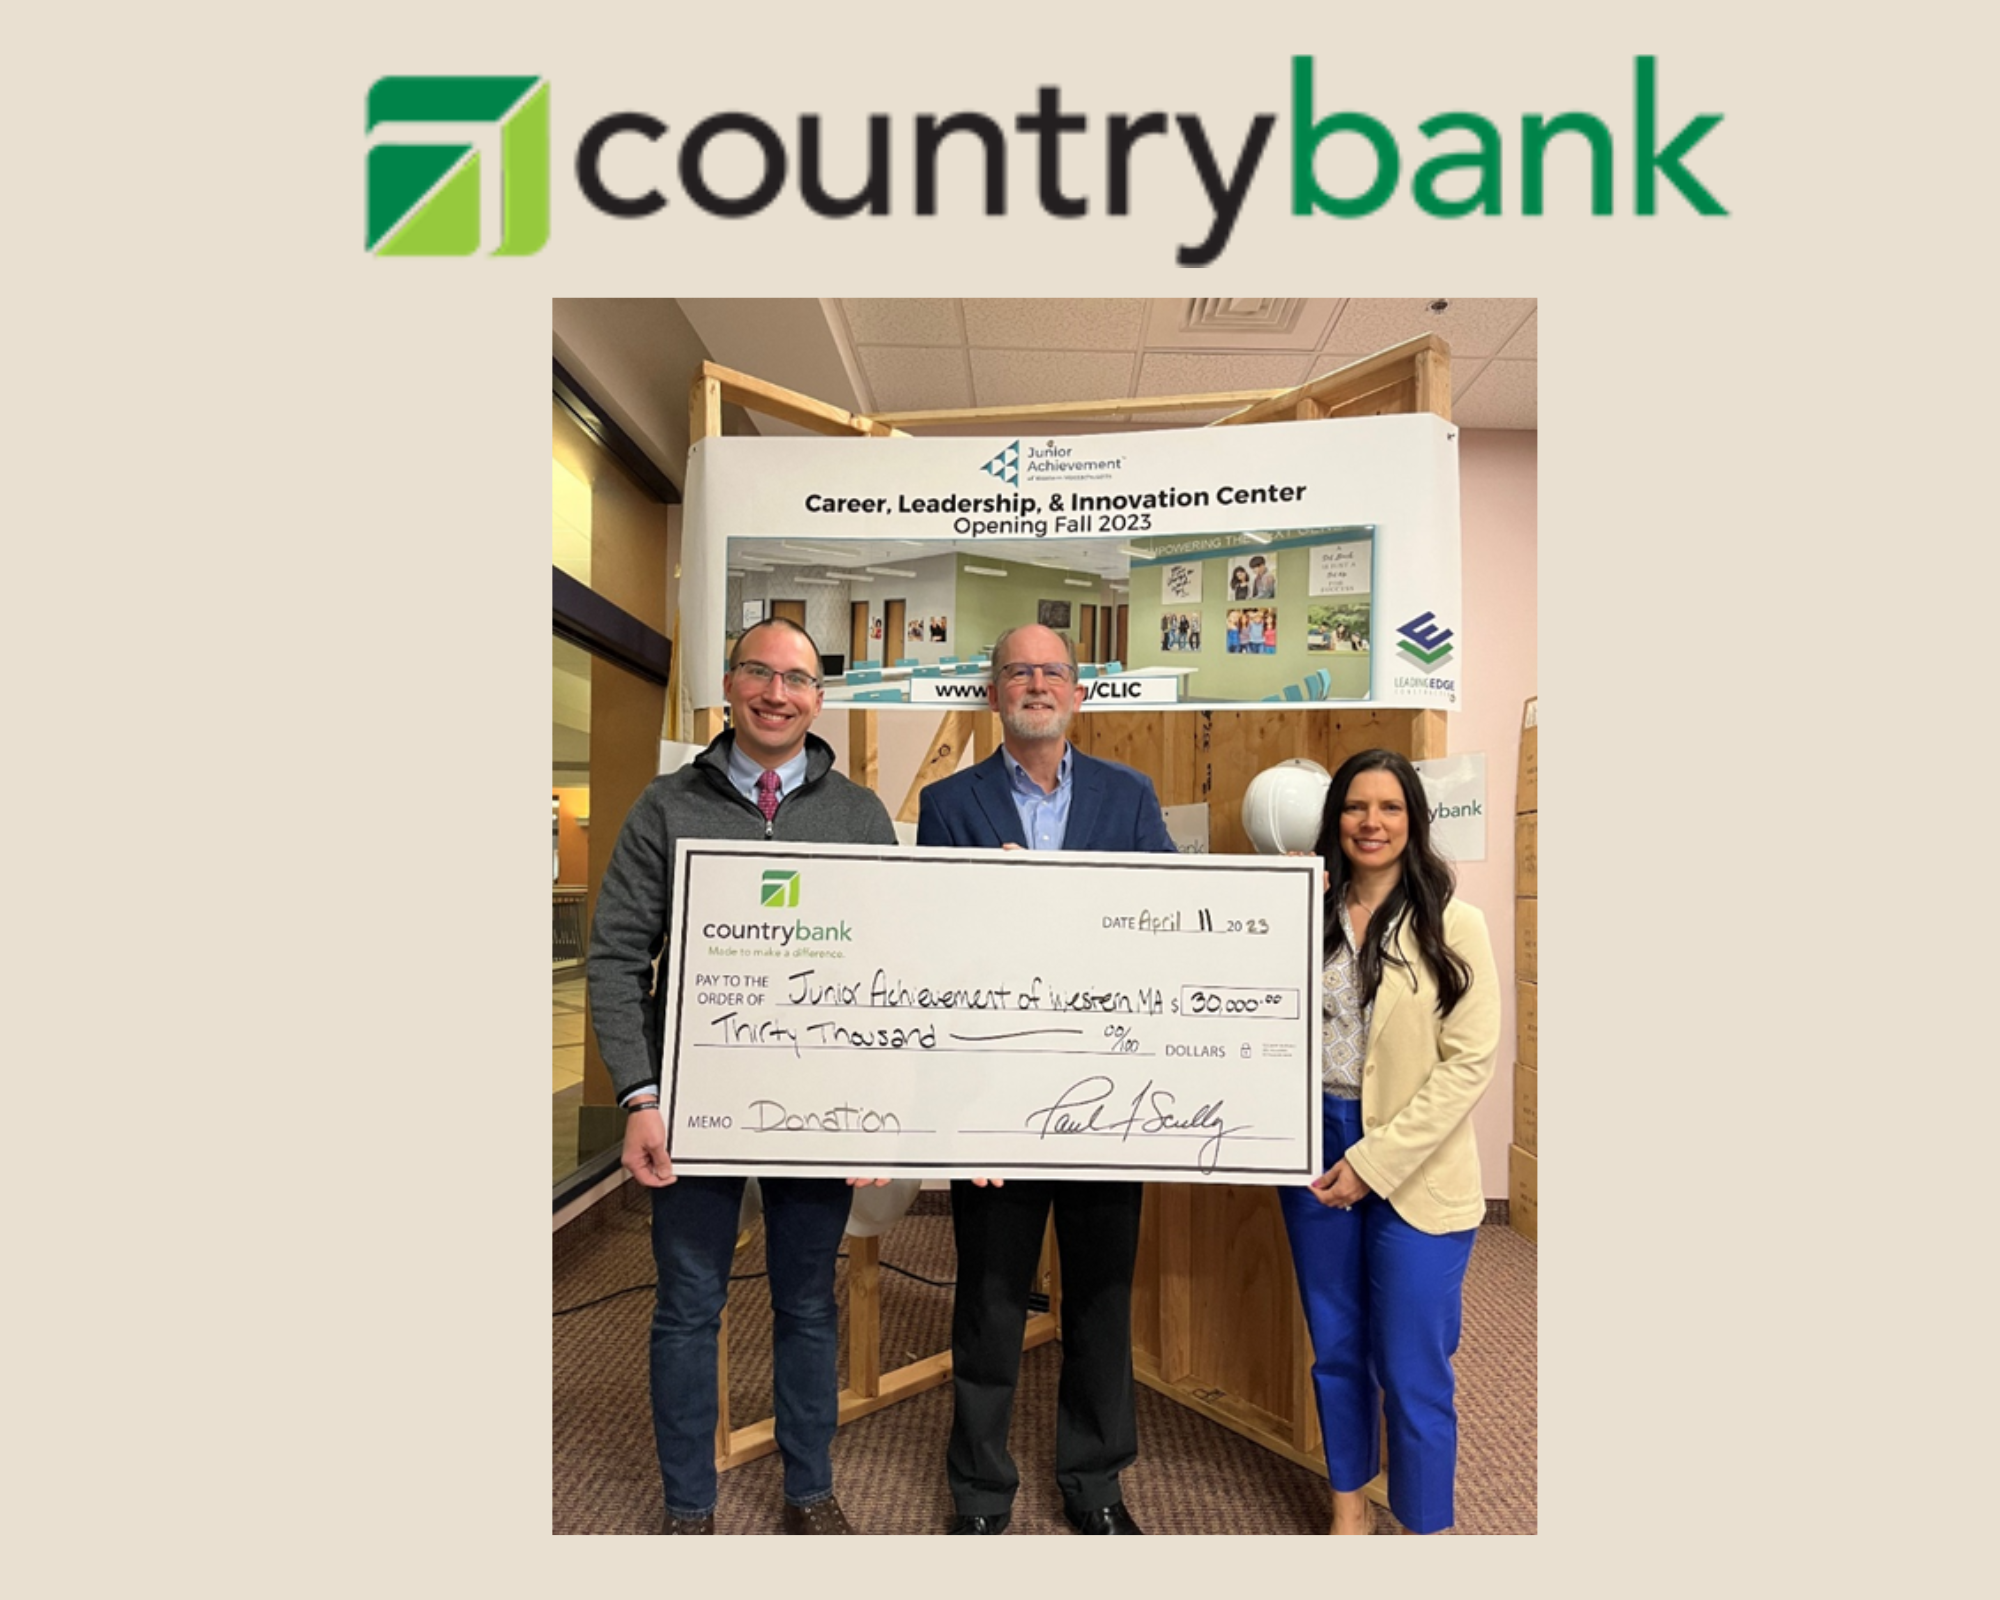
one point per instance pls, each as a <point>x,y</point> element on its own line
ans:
<point>1524,1107</point>
<point>1521,1203</point>
<point>1524,938</point>
<point>1524,777</point>
<point>1526,1016</point>
<point>1524,853</point>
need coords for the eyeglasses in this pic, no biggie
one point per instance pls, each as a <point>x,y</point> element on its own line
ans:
<point>1024,671</point>
<point>758,676</point>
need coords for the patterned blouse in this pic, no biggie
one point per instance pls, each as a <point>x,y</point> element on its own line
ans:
<point>1344,1031</point>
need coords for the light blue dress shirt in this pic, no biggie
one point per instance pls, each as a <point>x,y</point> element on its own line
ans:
<point>1044,816</point>
<point>744,773</point>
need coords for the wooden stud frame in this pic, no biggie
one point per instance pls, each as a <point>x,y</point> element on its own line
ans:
<point>1215,1318</point>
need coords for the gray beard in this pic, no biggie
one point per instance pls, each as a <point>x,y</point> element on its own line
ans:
<point>1051,724</point>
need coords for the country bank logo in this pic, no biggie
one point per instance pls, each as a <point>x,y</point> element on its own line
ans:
<point>458,166</point>
<point>1423,641</point>
<point>780,889</point>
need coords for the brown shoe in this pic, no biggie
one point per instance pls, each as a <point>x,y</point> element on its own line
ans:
<point>689,1524</point>
<point>822,1516</point>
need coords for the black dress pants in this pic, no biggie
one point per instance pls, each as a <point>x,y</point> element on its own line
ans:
<point>999,1237</point>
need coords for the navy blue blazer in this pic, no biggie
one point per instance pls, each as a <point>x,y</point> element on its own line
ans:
<point>1111,807</point>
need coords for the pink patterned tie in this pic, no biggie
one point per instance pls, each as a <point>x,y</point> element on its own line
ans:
<point>767,793</point>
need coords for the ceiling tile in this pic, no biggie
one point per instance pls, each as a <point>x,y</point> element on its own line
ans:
<point>1470,327</point>
<point>1183,372</point>
<point>933,322</point>
<point>900,378</point>
<point>1462,374</point>
<point>1166,330</point>
<point>1503,396</point>
<point>1522,346</point>
<point>1031,377</point>
<point>1054,324</point>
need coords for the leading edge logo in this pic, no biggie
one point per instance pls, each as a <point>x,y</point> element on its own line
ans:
<point>460,166</point>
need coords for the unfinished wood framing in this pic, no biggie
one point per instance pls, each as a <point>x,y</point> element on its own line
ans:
<point>1216,1324</point>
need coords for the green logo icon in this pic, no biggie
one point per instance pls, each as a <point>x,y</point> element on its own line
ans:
<point>458,166</point>
<point>781,888</point>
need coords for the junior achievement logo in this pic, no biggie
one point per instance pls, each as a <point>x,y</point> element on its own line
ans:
<point>458,166</point>
<point>780,889</point>
<point>1423,641</point>
<point>1006,466</point>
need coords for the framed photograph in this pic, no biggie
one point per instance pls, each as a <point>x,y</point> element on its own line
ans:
<point>1052,613</point>
<point>753,613</point>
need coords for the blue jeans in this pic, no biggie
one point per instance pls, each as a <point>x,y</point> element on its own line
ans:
<point>694,1242</point>
<point>1384,1303</point>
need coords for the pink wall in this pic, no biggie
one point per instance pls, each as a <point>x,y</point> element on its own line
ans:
<point>1497,536</point>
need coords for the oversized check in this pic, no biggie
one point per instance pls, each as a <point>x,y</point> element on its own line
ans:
<point>860,1011</point>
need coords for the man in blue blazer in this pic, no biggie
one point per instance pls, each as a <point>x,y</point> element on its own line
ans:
<point>1038,793</point>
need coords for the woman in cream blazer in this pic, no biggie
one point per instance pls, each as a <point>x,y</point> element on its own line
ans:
<point>1382,1238</point>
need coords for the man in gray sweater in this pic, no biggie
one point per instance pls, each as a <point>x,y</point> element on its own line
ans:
<point>767,778</point>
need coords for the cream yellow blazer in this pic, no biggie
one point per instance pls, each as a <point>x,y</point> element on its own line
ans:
<point>1421,1078</point>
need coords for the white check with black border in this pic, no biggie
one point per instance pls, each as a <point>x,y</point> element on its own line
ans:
<point>867,1011</point>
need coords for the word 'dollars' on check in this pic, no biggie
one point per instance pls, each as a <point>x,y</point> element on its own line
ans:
<point>851,1011</point>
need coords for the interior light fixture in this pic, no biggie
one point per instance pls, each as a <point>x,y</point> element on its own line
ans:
<point>831,583</point>
<point>1136,555</point>
<point>816,549</point>
<point>986,572</point>
<point>734,573</point>
<point>1258,538</point>
<point>852,577</point>
<point>1079,583</point>
<point>889,572</point>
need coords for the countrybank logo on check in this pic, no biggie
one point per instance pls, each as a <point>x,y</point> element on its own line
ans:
<point>780,888</point>
<point>458,166</point>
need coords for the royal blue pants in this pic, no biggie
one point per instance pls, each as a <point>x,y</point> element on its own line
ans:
<point>1384,1304</point>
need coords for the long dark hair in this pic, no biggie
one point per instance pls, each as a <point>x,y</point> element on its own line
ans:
<point>1421,894</point>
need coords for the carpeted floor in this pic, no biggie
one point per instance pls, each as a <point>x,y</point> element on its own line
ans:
<point>1192,1475</point>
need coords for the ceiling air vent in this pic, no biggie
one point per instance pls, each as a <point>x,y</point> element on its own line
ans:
<point>1229,318</point>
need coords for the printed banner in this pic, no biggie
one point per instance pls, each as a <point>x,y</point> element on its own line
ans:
<point>1295,563</point>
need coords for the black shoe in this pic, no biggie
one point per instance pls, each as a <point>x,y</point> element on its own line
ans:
<point>822,1516</point>
<point>1106,1519</point>
<point>689,1524</point>
<point>996,1523</point>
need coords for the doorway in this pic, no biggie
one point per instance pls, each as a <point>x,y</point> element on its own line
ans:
<point>857,633</point>
<point>1118,649</point>
<point>1086,646</point>
<point>894,646</point>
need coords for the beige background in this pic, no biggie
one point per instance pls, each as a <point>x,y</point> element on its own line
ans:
<point>278,661</point>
